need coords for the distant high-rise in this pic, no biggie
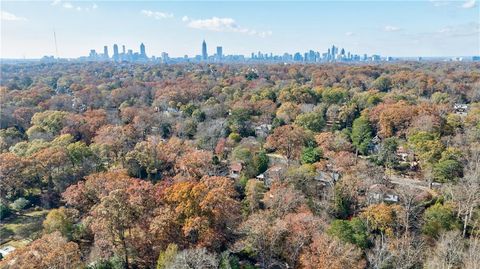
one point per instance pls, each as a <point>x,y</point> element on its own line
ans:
<point>297,57</point>
<point>142,50</point>
<point>332,54</point>
<point>165,57</point>
<point>115,52</point>
<point>311,56</point>
<point>219,53</point>
<point>105,52</point>
<point>92,55</point>
<point>204,51</point>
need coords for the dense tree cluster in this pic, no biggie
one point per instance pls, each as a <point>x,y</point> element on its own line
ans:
<point>229,166</point>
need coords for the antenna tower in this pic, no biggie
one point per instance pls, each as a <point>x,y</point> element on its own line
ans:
<point>56,46</point>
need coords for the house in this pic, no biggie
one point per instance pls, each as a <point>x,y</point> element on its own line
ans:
<point>4,251</point>
<point>263,130</point>
<point>172,110</point>
<point>235,170</point>
<point>403,154</point>
<point>406,156</point>
<point>460,109</point>
<point>327,177</point>
<point>436,185</point>
<point>169,111</point>
<point>374,145</point>
<point>274,173</point>
<point>276,159</point>
<point>331,123</point>
<point>378,193</point>
<point>325,182</point>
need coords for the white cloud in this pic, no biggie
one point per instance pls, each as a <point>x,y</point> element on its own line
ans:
<point>390,28</point>
<point>6,16</point>
<point>349,33</point>
<point>214,24</point>
<point>449,32</point>
<point>71,6</point>
<point>157,14</point>
<point>217,24</point>
<point>67,5</point>
<point>185,19</point>
<point>469,4</point>
<point>461,30</point>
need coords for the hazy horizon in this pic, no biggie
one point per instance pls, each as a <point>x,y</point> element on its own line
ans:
<point>429,28</point>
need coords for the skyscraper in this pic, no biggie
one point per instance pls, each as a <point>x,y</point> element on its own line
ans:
<point>115,52</point>
<point>143,54</point>
<point>123,49</point>
<point>219,53</point>
<point>297,57</point>
<point>105,52</point>
<point>311,56</point>
<point>92,55</point>
<point>204,51</point>
<point>165,57</point>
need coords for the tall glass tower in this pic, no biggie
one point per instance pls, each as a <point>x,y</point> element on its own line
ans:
<point>115,52</point>
<point>204,51</point>
<point>219,53</point>
<point>105,52</point>
<point>142,50</point>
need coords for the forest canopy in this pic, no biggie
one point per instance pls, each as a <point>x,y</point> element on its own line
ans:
<point>237,166</point>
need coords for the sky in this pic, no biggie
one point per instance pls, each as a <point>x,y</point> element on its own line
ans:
<point>426,28</point>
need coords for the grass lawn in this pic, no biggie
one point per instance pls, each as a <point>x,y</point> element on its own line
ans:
<point>21,228</point>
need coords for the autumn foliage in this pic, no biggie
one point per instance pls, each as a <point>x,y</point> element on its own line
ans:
<point>124,165</point>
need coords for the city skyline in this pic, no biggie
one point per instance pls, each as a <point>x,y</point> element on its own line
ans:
<point>398,29</point>
<point>332,54</point>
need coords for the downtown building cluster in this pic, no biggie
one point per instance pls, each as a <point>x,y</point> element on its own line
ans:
<point>117,56</point>
<point>333,54</point>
